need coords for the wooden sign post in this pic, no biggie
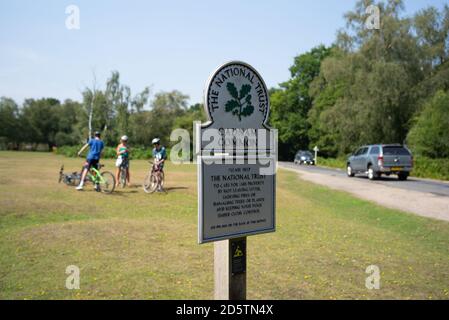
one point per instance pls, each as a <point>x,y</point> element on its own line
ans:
<point>236,157</point>
<point>230,269</point>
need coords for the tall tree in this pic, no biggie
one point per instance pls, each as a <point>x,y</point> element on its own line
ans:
<point>9,122</point>
<point>432,29</point>
<point>291,103</point>
<point>41,120</point>
<point>68,115</point>
<point>165,108</point>
<point>366,88</point>
<point>119,97</point>
<point>430,135</point>
<point>140,100</point>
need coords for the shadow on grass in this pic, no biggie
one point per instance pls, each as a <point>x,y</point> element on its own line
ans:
<point>175,188</point>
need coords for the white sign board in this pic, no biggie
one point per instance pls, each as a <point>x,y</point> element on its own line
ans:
<point>236,184</point>
<point>235,200</point>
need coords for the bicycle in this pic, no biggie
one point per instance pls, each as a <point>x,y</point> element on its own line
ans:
<point>72,179</point>
<point>122,167</point>
<point>122,177</point>
<point>151,183</point>
<point>103,181</point>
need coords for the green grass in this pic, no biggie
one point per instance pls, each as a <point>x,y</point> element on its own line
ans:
<point>139,246</point>
<point>339,163</point>
<point>423,167</point>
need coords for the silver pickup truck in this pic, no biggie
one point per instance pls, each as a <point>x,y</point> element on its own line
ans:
<point>378,159</point>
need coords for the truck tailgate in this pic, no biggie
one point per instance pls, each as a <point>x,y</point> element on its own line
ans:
<point>397,157</point>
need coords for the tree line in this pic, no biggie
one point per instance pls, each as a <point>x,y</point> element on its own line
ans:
<point>371,86</point>
<point>112,111</point>
<point>386,85</point>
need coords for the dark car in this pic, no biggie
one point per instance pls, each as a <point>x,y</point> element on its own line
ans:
<point>376,160</point>
<point>304,157</point>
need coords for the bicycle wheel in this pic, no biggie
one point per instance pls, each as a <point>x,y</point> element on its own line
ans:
<point>150,183</point>
<point>122,177</point>
<point>162,179</point>
<point>107,182</point>
<point>76,178</point>
<point>61,174</point>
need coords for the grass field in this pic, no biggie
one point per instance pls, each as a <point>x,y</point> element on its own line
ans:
<point>139,246</point>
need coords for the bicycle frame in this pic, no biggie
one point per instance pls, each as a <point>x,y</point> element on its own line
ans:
<point>95,176</point>
<point>153,169</point>
<point>150,174</point>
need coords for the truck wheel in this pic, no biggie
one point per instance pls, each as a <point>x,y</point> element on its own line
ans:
<point>349,170</point>
<point>372,175</point>
<point>402,176</point>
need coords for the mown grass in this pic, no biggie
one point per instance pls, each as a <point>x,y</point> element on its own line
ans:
<point>138,246</point>
<point>423,167</point>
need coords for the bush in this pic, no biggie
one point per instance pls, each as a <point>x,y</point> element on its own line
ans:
<point>68,151</point>
<point>431,168</point>
<point>108,152</point>
<point>62,138</point>
<point>141,153</point>
<point>332,162</point>
<point>429,136</point>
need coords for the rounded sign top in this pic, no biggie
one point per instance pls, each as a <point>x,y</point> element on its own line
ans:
<point>236,97</point>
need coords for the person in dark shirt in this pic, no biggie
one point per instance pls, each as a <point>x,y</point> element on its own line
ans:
<point>159,155</point>
<point>93,157</point>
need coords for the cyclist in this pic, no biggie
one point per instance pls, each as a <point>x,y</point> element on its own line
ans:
<point>122,160</point>
<point>159,155</point>
<point>93,157</point>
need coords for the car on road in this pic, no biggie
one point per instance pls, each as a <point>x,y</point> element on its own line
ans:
<point>376,160</point>
<point>304,157</point>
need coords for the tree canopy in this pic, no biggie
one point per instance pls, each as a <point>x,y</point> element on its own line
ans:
<point>369,86</point>
<point>384,85</point>
<point>115,112</point>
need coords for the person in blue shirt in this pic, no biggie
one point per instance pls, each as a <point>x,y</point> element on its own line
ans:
<point>93,157</point>
<point>159,155</point>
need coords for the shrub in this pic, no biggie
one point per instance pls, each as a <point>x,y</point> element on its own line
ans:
<point>108,152</point>
<point>431,168</point>
<point>429,136</point>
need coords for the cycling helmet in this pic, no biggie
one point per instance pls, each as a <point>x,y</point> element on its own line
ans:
<point>124,138</point>
<point>155,141</point>
<point>97,133</point>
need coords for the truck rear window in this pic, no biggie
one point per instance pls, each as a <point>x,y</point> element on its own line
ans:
<point>395,151</point>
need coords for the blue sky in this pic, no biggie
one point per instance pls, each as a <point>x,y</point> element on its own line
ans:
<point>167,44</point>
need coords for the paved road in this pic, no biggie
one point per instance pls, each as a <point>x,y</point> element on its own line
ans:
<point>422,185</point>
<point>428,198</point>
